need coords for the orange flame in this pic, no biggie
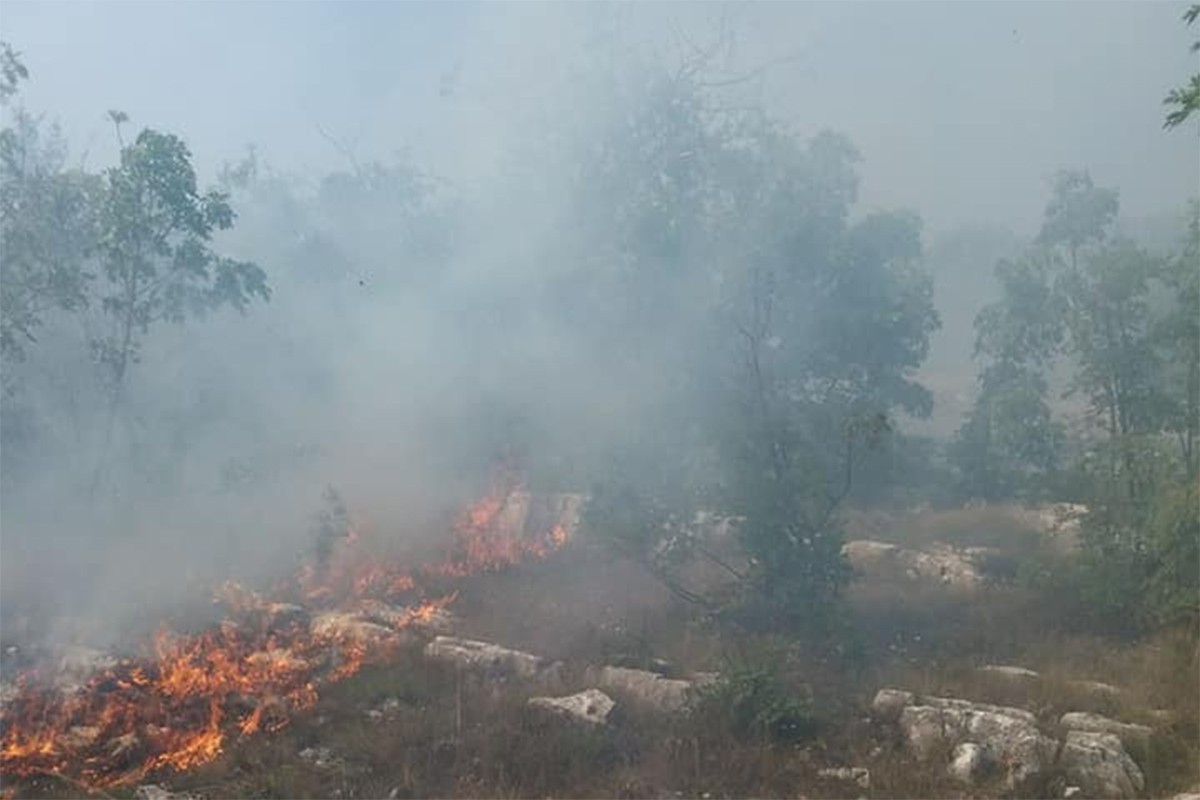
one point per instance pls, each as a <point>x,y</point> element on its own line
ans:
<point>177,708</point>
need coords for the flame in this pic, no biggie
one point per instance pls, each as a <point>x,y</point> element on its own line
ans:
<point>178,707</point>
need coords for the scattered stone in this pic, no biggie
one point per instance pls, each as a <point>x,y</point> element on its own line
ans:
<point>888,703</point>
<point>1097,689</point>
<point>80,736</point>
<point>1098,764</point>
<point>123,745</point>
<point>1009,672</point>
<point>1095,723</point>
<point>320,757</point>
<point>591,706</point>
<point>860,776</point>
<point>967,762</point>
<point>344,627</point>
<point>642,687</point>
<point>491,658</point>
<point>152,791</point>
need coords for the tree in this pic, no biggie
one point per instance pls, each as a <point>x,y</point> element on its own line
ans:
<point>154,253</point>
<point>1176,336</point>
<point>12,72</point>
<point>1185,100</point>
<point>720,248</point>
<point>48,228</point>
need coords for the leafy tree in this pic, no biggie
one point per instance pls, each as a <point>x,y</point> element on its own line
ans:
<point>12,72</point>
<point>154,253</point>
<point>724,253</point>
<point>1185,100</point>
<point>1176,335</point>
<point>1122,323</point>
<point>48,227</point>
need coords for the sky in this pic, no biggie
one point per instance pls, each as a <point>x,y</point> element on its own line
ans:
<point>962,110</point>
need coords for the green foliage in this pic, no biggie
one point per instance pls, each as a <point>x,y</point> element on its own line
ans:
<point>154,251</point>
<point>1185,100</point>
<point>1141,565</point>
<point>12,72</point>
<point>49,229</point>
<point>801,334</point>
<point>752,703</point>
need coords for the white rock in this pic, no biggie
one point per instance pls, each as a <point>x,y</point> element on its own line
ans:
<point>1097,689</point>
<point>320,757</point>
<point>1071,791</point>
<point>644,688</point>
<point>485,656</point>
<point>344,627</point>
<point>591,706</point>
<point>152,791</point>
<point>860,776</point>
<point>888,703</point>
<point>1008,737</point>
<point>1098,764</point>
<point>1095,723</point>
<point>1004,671</point>
<point>966,763</point>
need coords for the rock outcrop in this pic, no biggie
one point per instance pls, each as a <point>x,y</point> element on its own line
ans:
<point>1098,764</point>
<point>1095,723</point>
<point>983,739</point>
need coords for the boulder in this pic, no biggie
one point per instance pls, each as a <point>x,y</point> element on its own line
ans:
<point>1128,732</point>
<point>490,658</point>
<point>591,706</point>
<point>1098,764</point>
<point>644,688</point>
<point>888,703</point>
<point>1008,738</point>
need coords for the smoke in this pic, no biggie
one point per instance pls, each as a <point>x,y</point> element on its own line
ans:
<point>414,336</point>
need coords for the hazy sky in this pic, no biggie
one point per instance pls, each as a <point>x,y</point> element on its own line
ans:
<point>960,109</point>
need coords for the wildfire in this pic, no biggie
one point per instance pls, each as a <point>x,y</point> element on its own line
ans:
<point>178,707</point>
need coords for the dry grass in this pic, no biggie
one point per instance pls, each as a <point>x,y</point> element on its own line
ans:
<point>452,737</point>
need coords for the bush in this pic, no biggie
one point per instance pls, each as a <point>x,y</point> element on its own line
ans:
<point>753,704</point>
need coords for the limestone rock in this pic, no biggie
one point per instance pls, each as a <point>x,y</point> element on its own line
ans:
<point>591,706</point>
<point>1095,723</point>
<point>642,687</point>
<point>888,703</point>
<point>859,776</point>
<point>1098,764</point>
<point>1006,737</point>
<point>967,762</point>
<point>1012,673</point>
<point>491,658</point>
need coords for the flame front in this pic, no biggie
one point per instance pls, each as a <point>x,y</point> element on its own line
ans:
<point>178,708</point>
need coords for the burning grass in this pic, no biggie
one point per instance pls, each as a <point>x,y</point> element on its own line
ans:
<point>178,705</point>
